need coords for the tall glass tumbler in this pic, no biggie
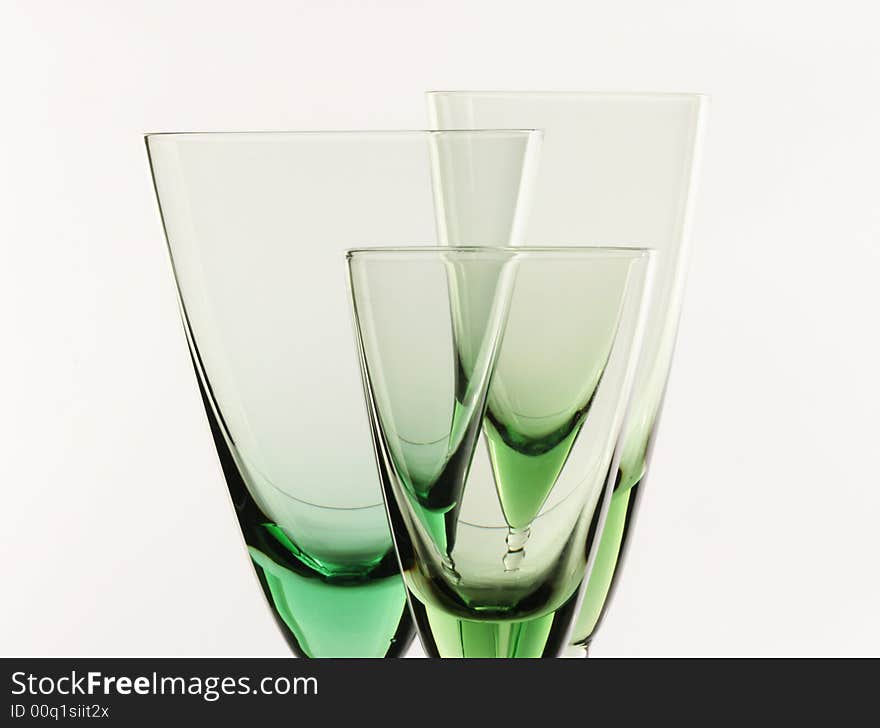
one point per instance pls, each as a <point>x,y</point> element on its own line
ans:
<point>256,225</point>
<point>615,169</point>
<point>497,380</point>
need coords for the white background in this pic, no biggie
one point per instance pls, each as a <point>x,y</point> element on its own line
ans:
<point>760,530</point>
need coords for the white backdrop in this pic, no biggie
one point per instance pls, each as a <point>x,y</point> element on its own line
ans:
<point>759,530</point>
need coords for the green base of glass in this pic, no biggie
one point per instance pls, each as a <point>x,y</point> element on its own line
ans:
<point>443,635</point>
<point>359,613</point>
<point>324,618</point>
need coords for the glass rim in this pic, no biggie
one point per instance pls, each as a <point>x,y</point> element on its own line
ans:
<point>574,94</point>
<point>341,133</point>
<point>503,251</point>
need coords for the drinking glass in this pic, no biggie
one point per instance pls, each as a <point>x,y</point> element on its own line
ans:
<point>496,380</point>
<point>256,225</point>
<point>615,169</point>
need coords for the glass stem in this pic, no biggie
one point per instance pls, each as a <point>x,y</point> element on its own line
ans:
<point>516,547</point>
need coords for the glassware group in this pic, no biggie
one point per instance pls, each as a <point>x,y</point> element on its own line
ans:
<point>496,355</point>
